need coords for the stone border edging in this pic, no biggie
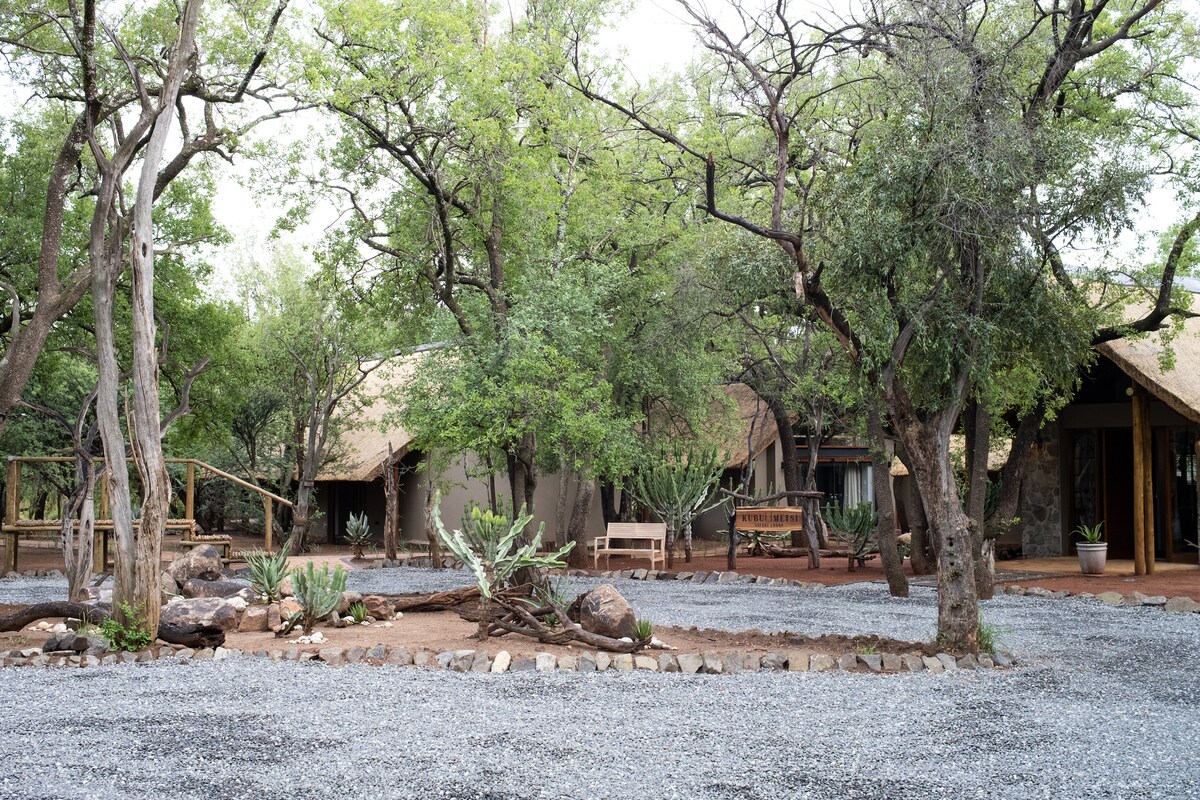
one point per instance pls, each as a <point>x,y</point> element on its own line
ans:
<point>708,663</point>
<point>1180,604</point>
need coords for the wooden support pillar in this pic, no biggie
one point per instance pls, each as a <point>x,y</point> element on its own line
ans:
<point>99,552</point>
<point>1147,450</point>
<point>268,522</point>
<point>1139,481</point>
<point>189,497</point>
<point>12,513</point>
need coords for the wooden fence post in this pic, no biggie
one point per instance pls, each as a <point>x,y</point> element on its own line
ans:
<point>268,522</point>
<point>189,496</point>
<point>12,513</point>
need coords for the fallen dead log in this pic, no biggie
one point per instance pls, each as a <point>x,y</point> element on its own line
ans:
<point>447,601</point>
<point>195,636</point>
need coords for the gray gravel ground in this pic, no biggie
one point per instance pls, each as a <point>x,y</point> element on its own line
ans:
<point>1105,707</point>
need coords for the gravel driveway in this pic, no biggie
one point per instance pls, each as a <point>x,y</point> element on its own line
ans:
<point>1106,706</point>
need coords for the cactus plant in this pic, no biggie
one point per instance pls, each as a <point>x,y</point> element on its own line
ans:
<point>318,593</point>
<point>679,486</point>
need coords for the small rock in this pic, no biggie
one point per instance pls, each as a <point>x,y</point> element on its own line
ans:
<point>668,663</point>
<point>1111,598</point>
<point>603,661</point>
<point>639,574</point>
<point>821,662</point>
<point>969,661</point>
<point>400,657</point>
<point>985,661</point>
<point>481,663</point>
<point>948,661</point>
<point>933,664</point>
<point>892,662</point>
<point>331,655</point>
<point>847,662</point>
<point>690,663</point>
<point>376,654</point>
<point>1154,600</point>
<point>568,662</point>
<point>623,662</point>
<point>713,577</point>
<point>355,655</point>
<point>444,658</point>
<point>775,661</point>
<point>874,661</point>
<point>318,638</point>
<point>424,658</point>
<point>462,661</point>
<point>798,660</point>
<point>712,662</point>
<point>699,577</point>
<point>379,607</point>
<point>587,662</point>
<point>523,665</point>
<point>1182,605</point>
<point>727,577</point>
<point>274,618</point>
<point>645,662</point>
<point>684,576</point>
<point>185,654</point>
<point>545,662</point>
<point>501,662</point>
<point>254,620</point>
<point>1002,660</point>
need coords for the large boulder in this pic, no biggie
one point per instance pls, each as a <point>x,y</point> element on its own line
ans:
<point>604,611</point>
<point>216,612</point>
<point>202,562</point>
<point>198,587</point>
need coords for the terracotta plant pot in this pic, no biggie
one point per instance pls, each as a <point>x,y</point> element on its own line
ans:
<point>1092,557</point>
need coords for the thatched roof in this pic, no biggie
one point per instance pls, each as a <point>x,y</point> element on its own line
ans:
<point>1141,360</point>
<point>363,438</point>
<point>749,410</point>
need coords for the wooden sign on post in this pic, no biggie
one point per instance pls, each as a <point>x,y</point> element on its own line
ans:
<point>769,519</point>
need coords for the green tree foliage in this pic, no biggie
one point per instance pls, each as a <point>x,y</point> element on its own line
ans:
<point>679,485</point>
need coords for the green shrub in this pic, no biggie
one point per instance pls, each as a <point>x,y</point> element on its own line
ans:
<point>318,593</point>
<point>643,630</point>
<point>991,637</point>
<point>358,612</point>
<point>132,635</point>
<point>267,571</point>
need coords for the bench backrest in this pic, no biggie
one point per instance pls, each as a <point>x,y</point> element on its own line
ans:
<point>638,530</point>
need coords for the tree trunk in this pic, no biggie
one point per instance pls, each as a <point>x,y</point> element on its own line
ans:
<point>1014,471</point>
<point>580,512</point>
<point>885,531</point>
<point>391,520</point>
<point>928,447</point>
<point>435,544</point>
<point>560,508</point>
<point>791,459</point>
<point>977,427</point>
<point>919,557</point>
<point>77,540</point>
<point>814,521</point>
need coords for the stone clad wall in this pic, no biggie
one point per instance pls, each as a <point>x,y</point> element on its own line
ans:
<point>1040,507</point>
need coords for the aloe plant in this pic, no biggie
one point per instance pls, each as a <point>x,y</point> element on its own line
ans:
<point>318,593</point>
<point>267,571</point>
<point>489,547</point>
<point>358,533</point>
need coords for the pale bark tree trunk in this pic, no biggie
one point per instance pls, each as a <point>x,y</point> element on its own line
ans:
<point>919,557</point>
<point>814,521</point>
<point>581,510</point>
<point>561,531</point>
<point>391,520</point>
<point>885,531</point>
<point>77,539</point>
<point>435,545</point>
<point>928,446</point>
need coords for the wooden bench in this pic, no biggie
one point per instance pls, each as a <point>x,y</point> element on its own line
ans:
<point>638,539</point>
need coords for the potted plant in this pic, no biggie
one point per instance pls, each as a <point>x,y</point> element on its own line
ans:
<point>1092,551</point>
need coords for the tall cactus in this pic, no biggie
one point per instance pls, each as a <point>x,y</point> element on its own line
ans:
<point>318,593</point>
<point>679,485</point>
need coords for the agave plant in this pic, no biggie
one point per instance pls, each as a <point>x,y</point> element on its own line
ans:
<point>358,533</point>
<point>267,571</point>
<point>318,593</point>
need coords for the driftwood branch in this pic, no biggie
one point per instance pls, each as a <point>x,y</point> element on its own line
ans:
<point>189,635</point>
